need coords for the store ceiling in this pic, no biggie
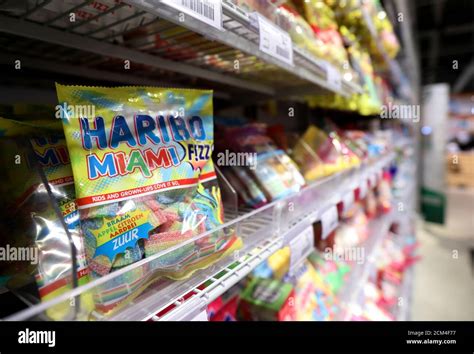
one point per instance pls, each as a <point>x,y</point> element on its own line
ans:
<point>445,37</point>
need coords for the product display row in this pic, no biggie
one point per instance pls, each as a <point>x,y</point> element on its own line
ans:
<point>137,185</point>
<point>198,187</point>
<point>370,251</point>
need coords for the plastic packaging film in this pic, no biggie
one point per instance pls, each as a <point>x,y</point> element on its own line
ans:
<point>37,210</point>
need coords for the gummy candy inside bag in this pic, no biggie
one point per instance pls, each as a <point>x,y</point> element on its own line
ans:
<point>145,183</point>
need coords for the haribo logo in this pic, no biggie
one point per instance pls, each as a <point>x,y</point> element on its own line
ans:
<point>155,142</point>
<point>50,152</point>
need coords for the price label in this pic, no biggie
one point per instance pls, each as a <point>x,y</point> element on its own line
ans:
<point>347,200</point>
<point>329,221</point>
<point>207,11</point>
<point>301,246</point>
<point>202,316</point>
<point>274,41</point>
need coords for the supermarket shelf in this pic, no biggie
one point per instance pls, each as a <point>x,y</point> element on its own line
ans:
<point>191,49</point>
<point>263,231</point>
<point>210,284</point>
<point>359,276</point>
<point>378,230</point>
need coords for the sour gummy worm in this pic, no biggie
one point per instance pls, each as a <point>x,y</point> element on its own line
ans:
<point>145,182</point>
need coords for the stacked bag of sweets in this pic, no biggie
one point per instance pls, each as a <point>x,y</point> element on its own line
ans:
<point>270,293</point>
<point>40,215</point>
<point>237,166</point>
<point>383,29</point>
<point>300,31</point>
<point>284,15</point>
<point>367,103</point>
<point>314,299</point>
<point>145,183</point>
<point>267,300</point>
<point>323,22</point>
<point>369,21</point>
<point>334,272</point>
<point>327,149</point>
<point>317,34</point>
<point>271,170</point>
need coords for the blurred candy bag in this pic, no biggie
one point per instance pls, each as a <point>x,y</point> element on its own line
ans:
<point>145,183</point>
<point>326,149</point>
<point>31,212</point>
<point>247,189</point>
<point>276,174</point>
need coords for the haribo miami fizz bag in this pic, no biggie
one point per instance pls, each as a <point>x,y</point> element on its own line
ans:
<point>145,182</point>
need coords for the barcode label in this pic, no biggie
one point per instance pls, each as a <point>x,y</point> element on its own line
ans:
<point>274,41</point>
<point>329,221</point>
<point>207,11</point>
<point>301,246</point>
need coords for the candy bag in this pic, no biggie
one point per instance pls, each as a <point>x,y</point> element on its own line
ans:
<point>34,212</point>
<point>247,189</point>
<point>52,155</point>
<point>275,172</point>
<point>145,183</point>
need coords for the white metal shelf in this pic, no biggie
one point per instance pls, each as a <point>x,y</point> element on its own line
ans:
<point>193,49</point>
<point>263,231</point>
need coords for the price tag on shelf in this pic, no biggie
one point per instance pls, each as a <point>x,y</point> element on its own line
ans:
<point>301,246</point>
<point>274,41</point>
<point>333,77</point>
<point>207,11</point>
<point>347,200</point>
<point>329,221</point>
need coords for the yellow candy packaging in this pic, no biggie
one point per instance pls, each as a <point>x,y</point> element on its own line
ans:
<point>145,183</point>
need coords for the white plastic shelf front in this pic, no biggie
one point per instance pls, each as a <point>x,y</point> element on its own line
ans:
<point>263,231</point>
<point>161,48</point>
